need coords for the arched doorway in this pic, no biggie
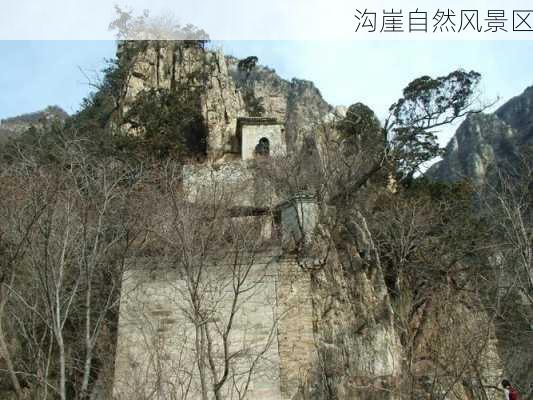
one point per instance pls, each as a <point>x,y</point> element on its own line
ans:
<point>263,147</point>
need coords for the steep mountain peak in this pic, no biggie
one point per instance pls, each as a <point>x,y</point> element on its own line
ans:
<point>484,141</point>
<point>518,112</point>
<point>234,89</point>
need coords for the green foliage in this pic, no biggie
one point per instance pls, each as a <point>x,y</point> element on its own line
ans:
<point>254,105</point>
<point>169,122</point>
<point>247,64</point>
<point>361,128</point>
<point>426,105</point>
<point>408,137</point>
<point>359,120</point>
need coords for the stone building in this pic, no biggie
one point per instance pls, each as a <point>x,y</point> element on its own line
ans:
<point>260,136</point>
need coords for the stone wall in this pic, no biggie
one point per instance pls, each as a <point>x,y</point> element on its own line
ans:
<point>300,217</point>
<point>232,180</point>
<point>156,350</point>
<point>297,354</point>
<point>234,183</point>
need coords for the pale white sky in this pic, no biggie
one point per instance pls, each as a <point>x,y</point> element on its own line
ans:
<point>236,19</point>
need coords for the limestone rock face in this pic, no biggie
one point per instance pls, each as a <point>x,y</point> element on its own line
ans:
<point>165,65</point>
<point>518,112</point>
<point>483,141</point>
<point>358,350</point>
<point>479,141</point>
<point>228,93</point>
<point>297,103</point>
<point>223,104</point>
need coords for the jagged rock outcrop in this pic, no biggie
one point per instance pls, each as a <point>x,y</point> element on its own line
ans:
<point>297,103</point>
<point>359,352</point>
<point>487,140</point>
<point>229,93</point>
<point>164,65</point>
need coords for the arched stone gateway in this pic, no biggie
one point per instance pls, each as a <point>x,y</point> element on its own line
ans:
<point>260,136</point>
<point>263,147</point>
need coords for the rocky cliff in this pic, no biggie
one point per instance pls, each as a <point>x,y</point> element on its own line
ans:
<point>297,103</point>
<point>228,92</point>
<point>486,140</point>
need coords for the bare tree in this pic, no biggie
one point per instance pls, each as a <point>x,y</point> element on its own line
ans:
<point>215,271</point>
<point>80,228</point>
<point>402,257</point>
<point>20,217</point>
<point>505,201</point>
<point>508,201</point>
<point>436,252</point>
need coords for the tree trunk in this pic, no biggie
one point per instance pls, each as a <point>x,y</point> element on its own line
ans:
<point>62,367</point>
<point>201,360</point>
<point>4,350</point>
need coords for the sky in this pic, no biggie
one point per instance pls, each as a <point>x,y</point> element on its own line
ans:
<point>35,74</point>
<point>242,19</point>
